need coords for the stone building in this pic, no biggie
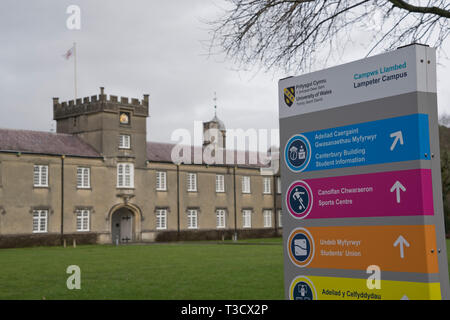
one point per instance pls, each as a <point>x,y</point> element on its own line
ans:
<point>98,180</point>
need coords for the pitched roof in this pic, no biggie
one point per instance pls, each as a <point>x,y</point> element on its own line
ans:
<point>38,142</point>
<point>159,152</point>
<point>162,152</point>
<point>28,141</point>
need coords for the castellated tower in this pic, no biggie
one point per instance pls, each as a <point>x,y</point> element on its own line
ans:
<point>116,128</point>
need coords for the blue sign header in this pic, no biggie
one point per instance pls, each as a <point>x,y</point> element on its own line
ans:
<point>389,140</point>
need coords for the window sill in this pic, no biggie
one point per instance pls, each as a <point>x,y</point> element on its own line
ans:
<point>84,188</point>
<point>161,190</point>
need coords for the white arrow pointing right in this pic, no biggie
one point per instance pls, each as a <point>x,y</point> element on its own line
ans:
<point>401,241</point>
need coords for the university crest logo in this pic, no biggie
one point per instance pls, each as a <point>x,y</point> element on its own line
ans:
<point>289,96</point>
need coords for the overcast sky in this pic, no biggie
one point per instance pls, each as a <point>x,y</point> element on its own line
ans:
<point>131,48</point>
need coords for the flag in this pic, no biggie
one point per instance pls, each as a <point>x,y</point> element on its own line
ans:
<point>69,53</point>
<point>73,52</point>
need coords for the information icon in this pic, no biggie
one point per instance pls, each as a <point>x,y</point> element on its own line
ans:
<point>301,247</point>
<point>297,153</point>
<point>299,199</point>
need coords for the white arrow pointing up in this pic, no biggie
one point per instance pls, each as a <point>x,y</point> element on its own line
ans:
<point>397,187</point>
<point>398,137</point>
<point>401,241</point>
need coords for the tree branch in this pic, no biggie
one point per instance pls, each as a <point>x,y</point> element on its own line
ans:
<point>411,8</point>
<point>297,34</point>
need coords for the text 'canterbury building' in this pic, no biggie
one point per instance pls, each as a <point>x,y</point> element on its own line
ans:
<point>98,180</point>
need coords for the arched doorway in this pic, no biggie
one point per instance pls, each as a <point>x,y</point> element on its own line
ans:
<point>125,222</point>
<point>123,226</point>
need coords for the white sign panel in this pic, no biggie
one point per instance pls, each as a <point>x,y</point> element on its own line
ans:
<point>381,76</point>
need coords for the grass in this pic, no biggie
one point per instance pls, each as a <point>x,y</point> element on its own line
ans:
<point>202,270</point>
<point>160,271</point>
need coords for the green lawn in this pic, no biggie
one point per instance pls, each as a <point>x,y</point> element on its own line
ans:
<point>159,271</point>
<point>202,270</point>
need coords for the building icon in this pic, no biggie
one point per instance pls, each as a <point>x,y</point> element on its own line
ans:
<point>98,180</point>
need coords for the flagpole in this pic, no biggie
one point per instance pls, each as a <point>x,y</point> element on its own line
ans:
<point>75,68</point>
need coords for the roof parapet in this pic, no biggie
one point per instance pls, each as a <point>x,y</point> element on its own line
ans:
<point>98,103</point>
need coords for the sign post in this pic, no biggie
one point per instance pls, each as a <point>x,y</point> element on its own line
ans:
<point>361,180</point>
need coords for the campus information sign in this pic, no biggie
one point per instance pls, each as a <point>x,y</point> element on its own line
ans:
<point>362,199</point>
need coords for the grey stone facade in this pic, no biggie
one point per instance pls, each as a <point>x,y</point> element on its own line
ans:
<point>98,180</point>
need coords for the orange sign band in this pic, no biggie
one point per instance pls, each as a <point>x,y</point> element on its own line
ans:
<point>392,248</point>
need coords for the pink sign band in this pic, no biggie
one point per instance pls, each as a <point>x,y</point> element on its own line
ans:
<point>394,193</point>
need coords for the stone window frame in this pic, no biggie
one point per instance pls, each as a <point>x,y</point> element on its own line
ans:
<point>270,217</point>
<point>124,175</point>
<point>89,177</point>
<point>49,212</point>
<point>47,185</point>
<point>225,218</point>
<point>220,183</point>
<point>122,144</point>
<point>244,185</point>
<point>267,185</point>
<point>159,188</point>
<point>197,211</point>
<point>167,210</point>
<point>192,187</point>
<point>91,212</point>
<point>82,211</point>
<point>245,226</point>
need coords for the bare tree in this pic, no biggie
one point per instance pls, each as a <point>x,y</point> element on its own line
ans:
<point>296,34</point>
<point>444,120</point>
<point>445,174</point>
